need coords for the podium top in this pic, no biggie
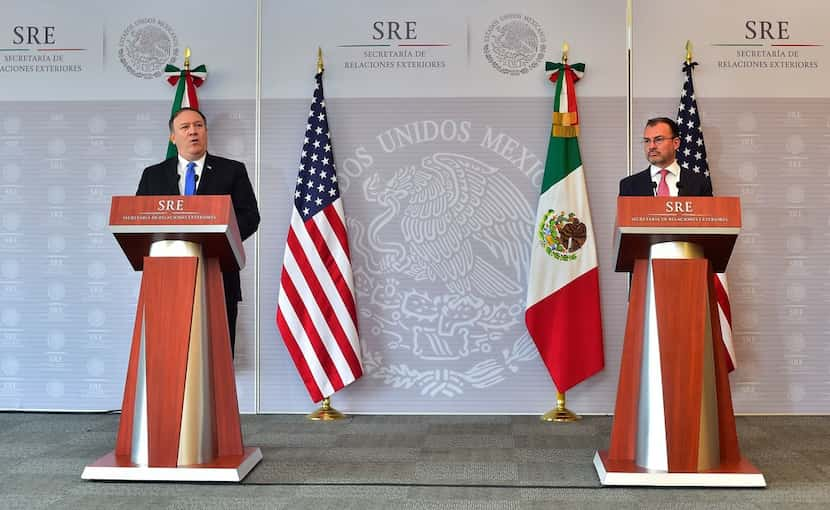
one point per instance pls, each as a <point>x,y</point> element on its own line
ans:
<point>139,221</point>
<point>713,222</point>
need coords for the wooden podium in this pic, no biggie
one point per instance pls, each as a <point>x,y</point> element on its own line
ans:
<point>180,414</point>
<point>674,424</point>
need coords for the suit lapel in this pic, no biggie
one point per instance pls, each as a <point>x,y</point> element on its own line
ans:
<point>645,183</point>
<point>687,181</point>
<point>171,176</point>
<point>207,178</point>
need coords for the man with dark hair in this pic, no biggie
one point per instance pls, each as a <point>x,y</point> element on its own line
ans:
<point>664,177</point>
<point>194,171</point>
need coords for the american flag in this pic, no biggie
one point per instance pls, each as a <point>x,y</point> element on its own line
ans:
<point>691,155</point>
<point>316,313</point>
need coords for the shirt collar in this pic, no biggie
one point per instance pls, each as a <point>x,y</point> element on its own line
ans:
<point>200,163</point>
<point>674,169</point>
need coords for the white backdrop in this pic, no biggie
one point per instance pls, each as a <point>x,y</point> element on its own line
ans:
<point>413,91</point>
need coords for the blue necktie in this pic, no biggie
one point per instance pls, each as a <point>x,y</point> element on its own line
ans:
<point>190,179</point>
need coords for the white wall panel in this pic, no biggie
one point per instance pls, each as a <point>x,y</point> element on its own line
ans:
<point>72,137</point>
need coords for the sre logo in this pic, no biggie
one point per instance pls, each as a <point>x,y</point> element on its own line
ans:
<point>391,30</point>
<point>31,34</point>
<point>762,29</point>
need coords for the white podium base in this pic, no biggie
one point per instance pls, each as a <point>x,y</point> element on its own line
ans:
<point>223,469</point>
<point>626,473</point>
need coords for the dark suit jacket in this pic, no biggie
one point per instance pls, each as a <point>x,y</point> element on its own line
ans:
<point>220,176</point>
<point>640,185</point>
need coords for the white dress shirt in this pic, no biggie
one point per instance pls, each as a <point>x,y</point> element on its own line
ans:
<point>182,169</point>
<point>671,178</point>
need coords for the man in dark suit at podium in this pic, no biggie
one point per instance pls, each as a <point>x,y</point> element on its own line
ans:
<point>664,177</point>
<point>194,171</point>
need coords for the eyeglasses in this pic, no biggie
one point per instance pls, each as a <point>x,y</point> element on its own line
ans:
<point>657,140</point>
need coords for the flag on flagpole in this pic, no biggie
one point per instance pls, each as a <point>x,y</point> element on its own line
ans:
<point>185,80</point>
<point>691,155</point>
<point>563,306</point>
<point>316,313</point>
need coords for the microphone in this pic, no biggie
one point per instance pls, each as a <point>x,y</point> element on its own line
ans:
<point>195,179</point>
<point>679,187</point>
<point>654,188</point>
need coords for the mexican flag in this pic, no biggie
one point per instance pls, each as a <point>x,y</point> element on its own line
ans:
<point>563,307</point>
<point>185,80</point>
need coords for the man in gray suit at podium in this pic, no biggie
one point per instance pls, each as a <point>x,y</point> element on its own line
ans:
<point>194,171</point>
<point>664,177</point>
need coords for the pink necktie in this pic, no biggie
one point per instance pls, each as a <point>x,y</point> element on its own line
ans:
<point>663,187</point>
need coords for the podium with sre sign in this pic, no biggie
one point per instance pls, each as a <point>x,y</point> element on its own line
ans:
<point>674,424</point>
<point>180,414</point>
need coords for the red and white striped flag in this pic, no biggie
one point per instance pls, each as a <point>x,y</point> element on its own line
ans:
<point>185,80</point>
<point>316,313</point>
<point>691,155</point>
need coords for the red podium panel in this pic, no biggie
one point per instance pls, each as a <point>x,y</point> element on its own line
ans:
<point>180,416</point>
<point>674,423</point>
<point>712,223</point>
<point>209,220</point>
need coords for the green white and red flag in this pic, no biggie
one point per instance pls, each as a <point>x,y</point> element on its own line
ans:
<point>186,81</point>
<point>563,306</point>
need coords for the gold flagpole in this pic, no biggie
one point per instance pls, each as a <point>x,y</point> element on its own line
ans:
<point>688,51</point>
<point>187,59</point>
<point>326,412</point>
<point>561,413</point>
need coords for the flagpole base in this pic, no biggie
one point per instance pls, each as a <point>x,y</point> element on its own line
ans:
<point>560,413</point>
<point>326,412</point>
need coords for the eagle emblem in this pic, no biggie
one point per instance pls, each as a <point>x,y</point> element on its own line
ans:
<point>562,234</point>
